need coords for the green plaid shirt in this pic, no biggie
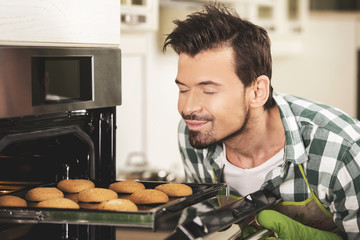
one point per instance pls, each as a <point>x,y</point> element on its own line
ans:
<point>325,140</point>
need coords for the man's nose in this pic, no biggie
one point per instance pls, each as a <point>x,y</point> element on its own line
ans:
<point>192,104</point>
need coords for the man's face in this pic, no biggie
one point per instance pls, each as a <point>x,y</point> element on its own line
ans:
<point>212,99</point>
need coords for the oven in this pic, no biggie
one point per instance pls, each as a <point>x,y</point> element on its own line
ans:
<point>58,121</point>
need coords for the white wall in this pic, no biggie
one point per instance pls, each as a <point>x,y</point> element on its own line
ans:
<point>324,71</point>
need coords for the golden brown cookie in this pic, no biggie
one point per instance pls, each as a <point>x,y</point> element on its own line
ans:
<point>12,201</point>
<point>58,203</point>
<point>43,193</point>
<point>126,186</point>
<point>149,196</point>
<point>175,189</point>
<point>74,185</point>
<point>96,195</point>
<point>118,205</point>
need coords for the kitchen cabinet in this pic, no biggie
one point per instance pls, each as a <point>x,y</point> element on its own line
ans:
<point>139,15</point>
<point>59,22</point>
<point>334,5</point>
<point>285,20</point>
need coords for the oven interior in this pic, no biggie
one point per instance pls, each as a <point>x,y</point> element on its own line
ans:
<point>44,149</point>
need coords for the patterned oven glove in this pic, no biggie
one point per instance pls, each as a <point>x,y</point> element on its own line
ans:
<point>288,229</point>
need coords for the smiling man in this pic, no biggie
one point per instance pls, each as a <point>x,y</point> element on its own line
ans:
<point>210,90</point>
<point>235,129</point>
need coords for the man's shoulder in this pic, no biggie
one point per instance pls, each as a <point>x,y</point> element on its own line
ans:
<point>304,107</point>
<point>312,114</point>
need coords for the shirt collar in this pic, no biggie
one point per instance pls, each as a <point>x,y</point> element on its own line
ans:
<point>294,147</point>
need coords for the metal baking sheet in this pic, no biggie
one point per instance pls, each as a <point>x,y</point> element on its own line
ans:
<point>146,217</point>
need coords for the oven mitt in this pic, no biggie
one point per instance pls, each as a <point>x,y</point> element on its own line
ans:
<point>246,231</point>
<point>287,229</point>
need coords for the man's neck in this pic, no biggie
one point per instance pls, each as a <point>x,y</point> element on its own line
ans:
<point>264,137</point>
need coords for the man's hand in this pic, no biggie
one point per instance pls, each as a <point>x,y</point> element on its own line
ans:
<point>289,229</point>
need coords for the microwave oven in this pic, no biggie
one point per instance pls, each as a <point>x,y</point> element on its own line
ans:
<point>58,79</point>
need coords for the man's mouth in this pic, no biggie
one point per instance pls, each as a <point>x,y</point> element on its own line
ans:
<point>195,125</point>
<point>196,122</point>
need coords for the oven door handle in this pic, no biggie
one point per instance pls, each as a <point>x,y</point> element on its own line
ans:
<point>221,218</point>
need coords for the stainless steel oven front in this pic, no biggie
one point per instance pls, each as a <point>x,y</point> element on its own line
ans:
<point>41,80</point>
<point>57,121</point>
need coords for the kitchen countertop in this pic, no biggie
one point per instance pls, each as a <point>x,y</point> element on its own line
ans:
<point>148,234</point>
<point>140,234</point>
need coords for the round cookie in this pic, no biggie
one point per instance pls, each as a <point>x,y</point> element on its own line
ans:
<point>118,205</point>
<point>175,189</point>
<point>58,203</point>
<point>96,195</point>
<point>12,201</point>
<point>126,186</point>
<point>43,193</point>
<point>149,196</point>
<point>74,185</point>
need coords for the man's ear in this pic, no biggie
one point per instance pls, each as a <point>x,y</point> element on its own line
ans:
<point>260,91</point>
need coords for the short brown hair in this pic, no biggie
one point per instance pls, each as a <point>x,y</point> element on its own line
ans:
<point>217,26</point>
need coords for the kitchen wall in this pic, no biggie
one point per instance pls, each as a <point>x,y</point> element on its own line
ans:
<point>324,70</point>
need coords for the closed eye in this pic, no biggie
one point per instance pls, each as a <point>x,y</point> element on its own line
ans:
<point>182,87</point>
<point>210,89</point>
<point>183,90</point>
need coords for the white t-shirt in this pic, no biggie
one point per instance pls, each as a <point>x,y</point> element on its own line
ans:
<point>246,181</point>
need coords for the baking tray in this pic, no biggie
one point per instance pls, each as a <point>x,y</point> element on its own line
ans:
<point>149,216</point>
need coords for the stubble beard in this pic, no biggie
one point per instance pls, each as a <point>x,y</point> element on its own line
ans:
<point>200,140</point>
